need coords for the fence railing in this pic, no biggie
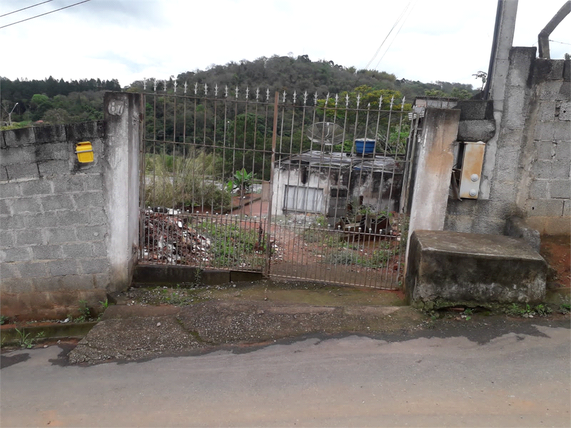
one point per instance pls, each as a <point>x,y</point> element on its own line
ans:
<point>288,183</point>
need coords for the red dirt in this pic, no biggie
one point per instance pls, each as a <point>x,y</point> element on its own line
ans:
<point>556,250</point>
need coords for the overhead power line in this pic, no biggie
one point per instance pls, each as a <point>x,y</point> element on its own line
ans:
<point>43,14</point>
<point>397,33</point>
<point>24,8</point>
<point>387,36</point>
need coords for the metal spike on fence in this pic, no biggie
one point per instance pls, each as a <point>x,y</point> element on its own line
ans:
<point>155,85</point>
<point>336,100</point>
<point>165,85</point>
<point>216,90</point>
<point>315,98</point>
<point>368,106</point>
<point>392,101</point>
<point>175,85</point>
<point>284,97</point>
<point>305,98</point>
<point>358,100</point>
<point>144,84</point>
<point>237,90</point>
<point>326,99</point>
<point>206,89</point>
<point>247,92</point>
<point>402,104</point>
<point>196,88</point>
<point>257,93</point>
<point>294,96</point>
<point>185,86</point>
<point>268,94</point>
<point>380,102</point>
<point>225,91</point>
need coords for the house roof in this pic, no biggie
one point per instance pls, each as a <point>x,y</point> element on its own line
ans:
<point>316,158</point>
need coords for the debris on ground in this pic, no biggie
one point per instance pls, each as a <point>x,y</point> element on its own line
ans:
<point>169,239</point>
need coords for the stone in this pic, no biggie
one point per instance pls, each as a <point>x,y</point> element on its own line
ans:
<point>450,268</point>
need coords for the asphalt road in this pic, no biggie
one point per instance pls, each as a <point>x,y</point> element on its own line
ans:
<point>515,379</point>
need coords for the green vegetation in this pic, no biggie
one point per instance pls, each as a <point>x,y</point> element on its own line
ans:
<point>3,319</point>
<point>187,178</point>
<point>379,258</point>
<point>233,245</point>
<point>25,340</point>
<point>528,311</point>
<point>58,101</point>
<point>84,313</point>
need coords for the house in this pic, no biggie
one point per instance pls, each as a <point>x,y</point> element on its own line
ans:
<point>330,184</point>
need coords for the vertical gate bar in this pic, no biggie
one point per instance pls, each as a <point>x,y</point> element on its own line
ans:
<point>164,169</point>
<point>214,215</point>
<point>194,156</point>
<point>280,156</point>
<point>142,166</point>
<point>273,158</point>
<point>394,282</point>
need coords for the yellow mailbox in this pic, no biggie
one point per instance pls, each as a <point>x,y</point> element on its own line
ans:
<point>84,152</point>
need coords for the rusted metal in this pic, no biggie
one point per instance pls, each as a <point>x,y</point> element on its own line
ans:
<point>251,177</point>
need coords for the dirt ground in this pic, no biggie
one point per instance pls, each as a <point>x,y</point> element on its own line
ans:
<point>160,321</point>
<point>556,250</point>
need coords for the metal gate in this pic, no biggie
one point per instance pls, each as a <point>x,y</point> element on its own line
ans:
<point>290,185</point>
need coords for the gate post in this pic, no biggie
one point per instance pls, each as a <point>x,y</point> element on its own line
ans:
<point>435,162</point>
<point>123,113</point>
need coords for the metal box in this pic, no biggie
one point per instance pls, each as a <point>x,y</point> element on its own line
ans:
<point>472,163</point>
<point>84,152</point>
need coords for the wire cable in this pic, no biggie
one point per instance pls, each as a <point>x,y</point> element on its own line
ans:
<point>24,8</point>
<point>561,43</point>
<point>397,33</point>
<point>43,14</point>
<point>387,36</point>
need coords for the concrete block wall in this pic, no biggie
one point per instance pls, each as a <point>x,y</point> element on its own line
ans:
<point>53,224</point>
<point>530,162</point>
<point>546,201</point>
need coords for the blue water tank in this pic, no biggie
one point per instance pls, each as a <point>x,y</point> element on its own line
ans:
<point>364,146</point>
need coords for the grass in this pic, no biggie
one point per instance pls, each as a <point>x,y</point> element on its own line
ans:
<point>25,340</point>
<point>527,310</point>
<point>379,258</point>
<point>232,245</point>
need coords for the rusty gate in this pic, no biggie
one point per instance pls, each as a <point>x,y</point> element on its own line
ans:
<point>288,184</point>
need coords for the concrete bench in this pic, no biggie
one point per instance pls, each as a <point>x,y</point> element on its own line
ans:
<point>451,268</point>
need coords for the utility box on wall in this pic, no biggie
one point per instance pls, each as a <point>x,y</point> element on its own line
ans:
<point>472,163</point>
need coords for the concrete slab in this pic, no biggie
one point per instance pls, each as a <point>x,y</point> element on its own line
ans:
<point>450,268</point>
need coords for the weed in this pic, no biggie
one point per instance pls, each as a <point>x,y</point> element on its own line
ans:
<point>378,258</point>
<point>3,319</point>
<point>233,244</point>
<point>564,308</point>
<point>84,312</point>
<point>25,340</point>
<point>104,303</point>
<point>197,277</point>
<point>528,311</point>
<point>543,310</point>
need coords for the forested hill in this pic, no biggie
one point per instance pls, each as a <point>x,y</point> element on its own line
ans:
<point>57,101</point>
<point>302,74</point>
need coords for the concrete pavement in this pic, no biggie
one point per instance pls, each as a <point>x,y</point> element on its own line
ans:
<point>490,377</point>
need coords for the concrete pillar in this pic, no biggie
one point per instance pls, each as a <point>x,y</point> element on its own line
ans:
<point>499,72</point>
<point>123,114</point>
<point>435,162</point>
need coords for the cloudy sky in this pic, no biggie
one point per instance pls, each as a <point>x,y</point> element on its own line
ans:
<point>446,40</point>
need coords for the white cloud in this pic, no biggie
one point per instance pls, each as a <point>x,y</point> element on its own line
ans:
<point>131,39</point>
